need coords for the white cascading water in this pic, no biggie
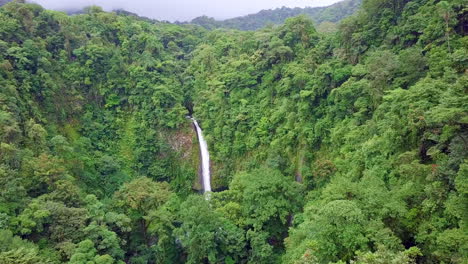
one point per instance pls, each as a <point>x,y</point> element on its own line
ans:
<point>205,158</point>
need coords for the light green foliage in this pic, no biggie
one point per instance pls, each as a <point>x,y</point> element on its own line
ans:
<point>87,254</point>
<point>21,256</point>
<point>142,195</point>
<point>262,202</point>
<point>207,235</point>
<point>335,231</point>
<point>14,250</point>
<point>147,203</point>
<point>267,197</point>
<point>344,147</point>
<point>383,255</point>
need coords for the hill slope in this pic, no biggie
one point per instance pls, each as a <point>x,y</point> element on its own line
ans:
<point>349,148</point>
<point>333,13</point>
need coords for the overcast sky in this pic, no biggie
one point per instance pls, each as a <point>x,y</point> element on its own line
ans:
<point>184,10</point>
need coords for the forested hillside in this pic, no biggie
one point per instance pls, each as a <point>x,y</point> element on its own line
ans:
<point>324,17</point>
<point>347,147</point>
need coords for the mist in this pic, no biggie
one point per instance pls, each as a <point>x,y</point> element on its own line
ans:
<point>184,10</point>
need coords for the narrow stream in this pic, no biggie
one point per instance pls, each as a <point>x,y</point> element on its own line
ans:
<point>205,158</point>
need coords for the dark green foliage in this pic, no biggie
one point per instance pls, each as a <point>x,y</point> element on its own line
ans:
<point>262,203</point>
<point>349,147</point>
<point>14,250</point>
<point>207,235</point>
<point>373,121</point>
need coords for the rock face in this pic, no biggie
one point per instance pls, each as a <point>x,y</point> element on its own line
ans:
<point>184,142</point>
<point>181,141</point>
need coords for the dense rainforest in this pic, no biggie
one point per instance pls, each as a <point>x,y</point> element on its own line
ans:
<point>342,147</point>
<point>326,18</point>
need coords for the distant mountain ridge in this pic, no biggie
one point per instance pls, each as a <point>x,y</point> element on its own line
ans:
<point>4,2</point>
<point>329,14</point>
<point>325,18</point>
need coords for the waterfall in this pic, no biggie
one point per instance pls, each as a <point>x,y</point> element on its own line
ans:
<point>205,158</point>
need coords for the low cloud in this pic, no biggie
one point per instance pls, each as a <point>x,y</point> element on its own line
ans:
<point>184,10</point>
